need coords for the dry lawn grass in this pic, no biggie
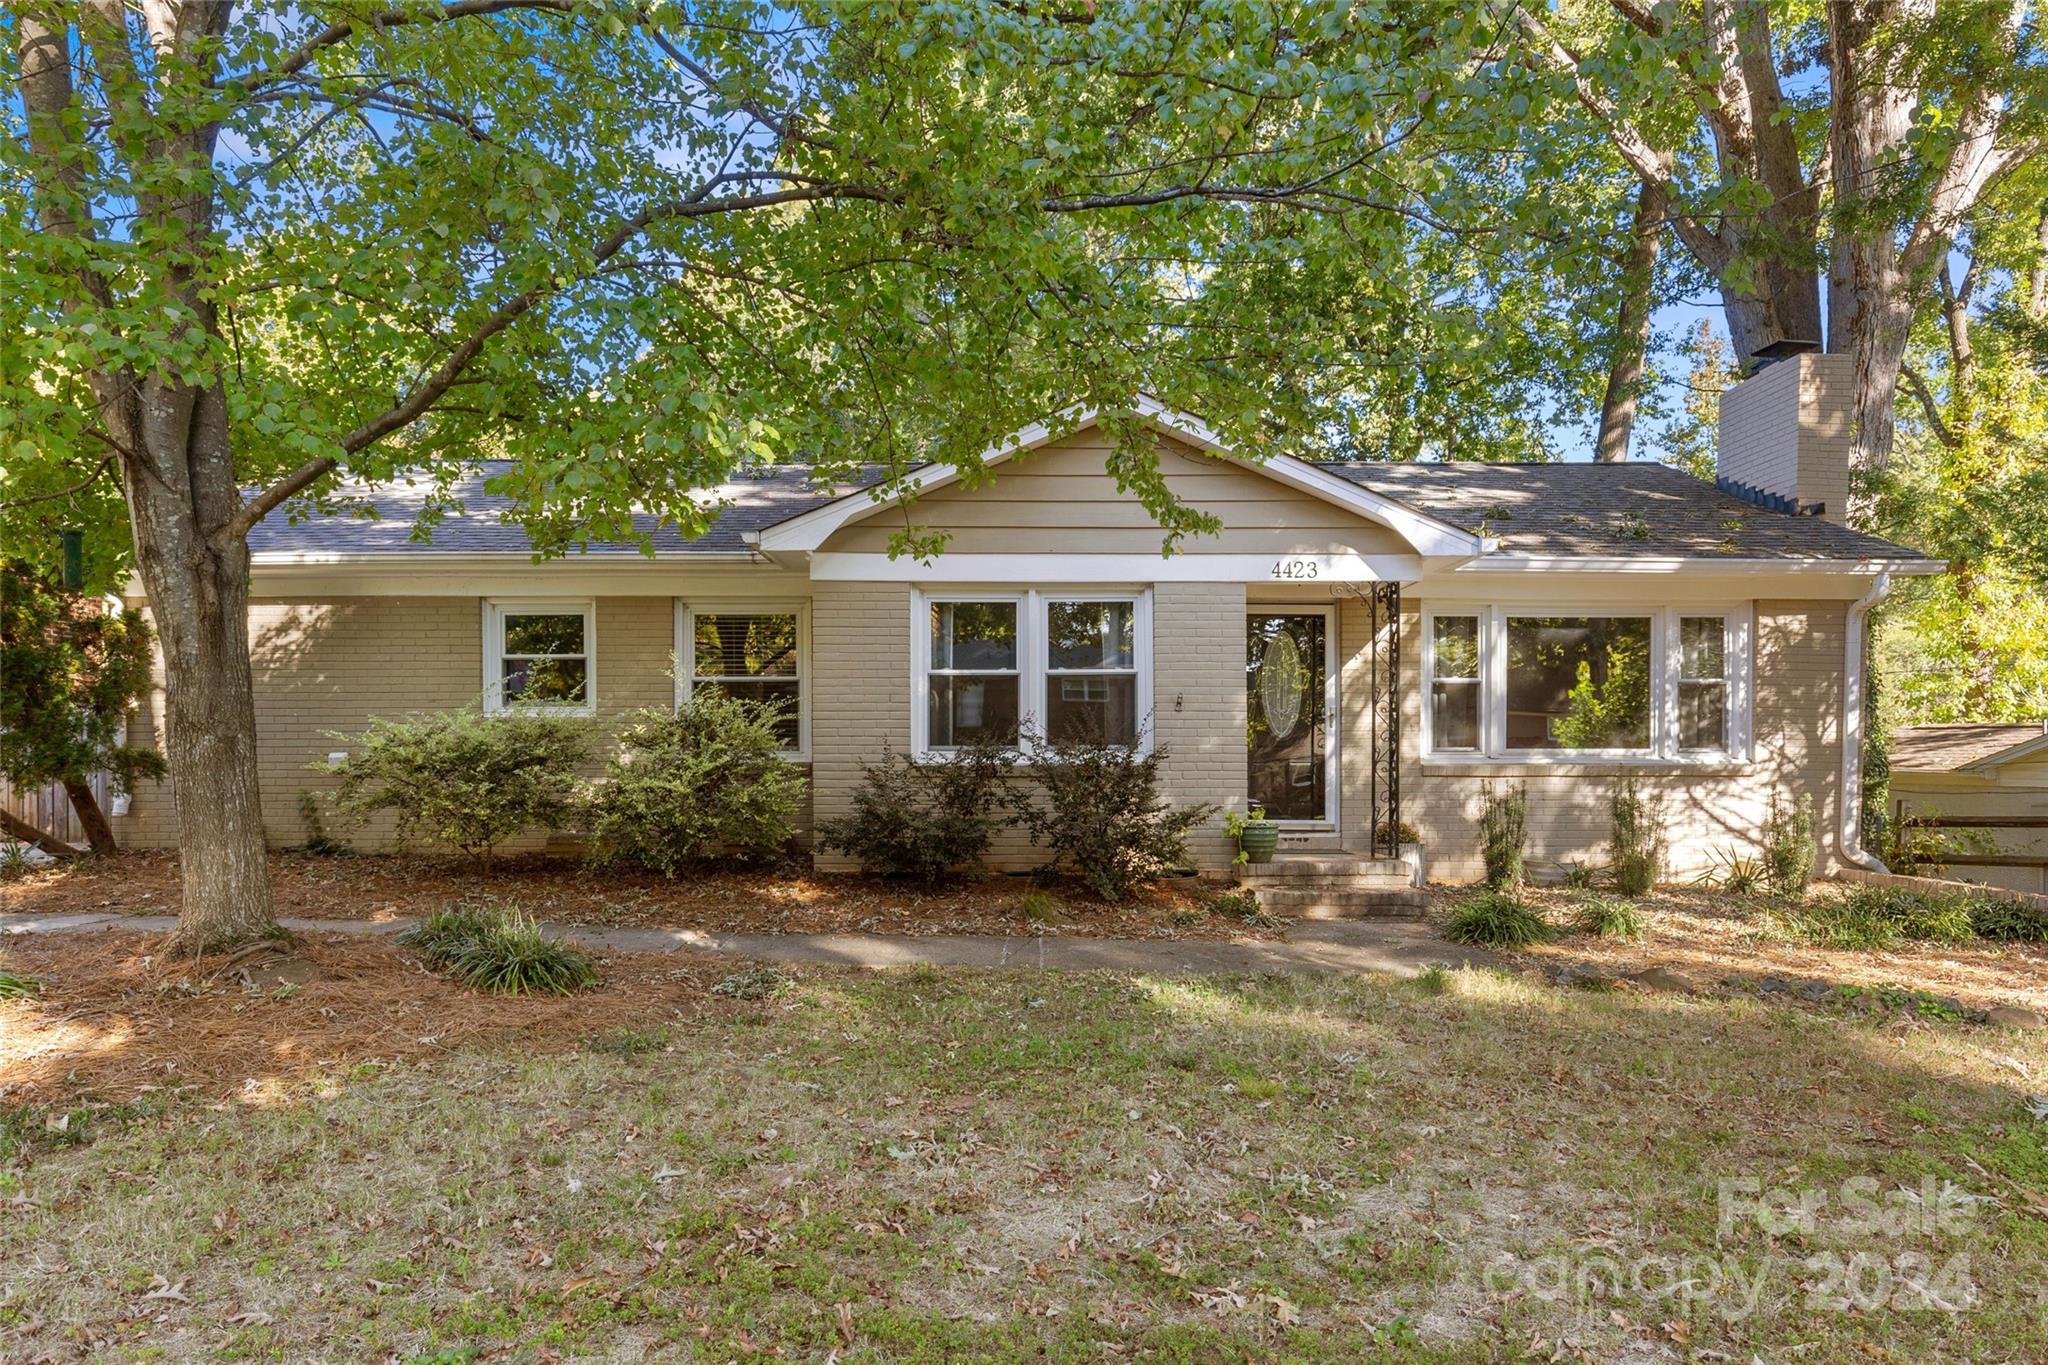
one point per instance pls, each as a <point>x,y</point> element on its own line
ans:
<point>1728,941</point>
<point>951,1165</point>
<point>790,899</point>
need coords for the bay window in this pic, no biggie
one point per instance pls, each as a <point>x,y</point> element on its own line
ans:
<point>1510,683</point>
<point>1017,667</point>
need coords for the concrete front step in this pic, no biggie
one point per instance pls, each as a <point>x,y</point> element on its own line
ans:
<point>1350,868</point>
<point>1330,902</point>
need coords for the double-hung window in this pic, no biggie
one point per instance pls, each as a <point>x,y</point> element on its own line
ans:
<point>750,653</point>
<point>540,656</point>
<point>1022,667</point>
<point>1659,684</point>
<point>973,672</point>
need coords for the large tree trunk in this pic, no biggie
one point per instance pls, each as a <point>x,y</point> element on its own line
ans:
<point>1632,327</point>
<point>198,584</point>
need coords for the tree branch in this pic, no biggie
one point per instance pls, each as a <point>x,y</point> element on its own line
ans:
<point>1918,385</point>
<point>423,397</point>
<point>74,490</point>
<point>340,32</point>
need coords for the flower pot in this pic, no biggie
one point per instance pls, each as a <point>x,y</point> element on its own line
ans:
<point>1258,841</point>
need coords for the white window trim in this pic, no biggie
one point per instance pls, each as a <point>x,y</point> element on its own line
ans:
<point>495,612</point>
<point>1033,606</point>
<point>1663,749</point>
<point>685,655</point>
<point>1333,724</point>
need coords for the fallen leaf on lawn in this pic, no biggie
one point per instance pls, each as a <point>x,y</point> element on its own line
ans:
<point>161,1288</point>
<point>251,1317</point>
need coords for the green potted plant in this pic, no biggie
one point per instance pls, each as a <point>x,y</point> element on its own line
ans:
<point>1257,837</point>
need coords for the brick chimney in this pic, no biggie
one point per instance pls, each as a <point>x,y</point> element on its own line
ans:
<point>1783,438</point>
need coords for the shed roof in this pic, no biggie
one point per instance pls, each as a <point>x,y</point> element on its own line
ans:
<point>1951,748</point>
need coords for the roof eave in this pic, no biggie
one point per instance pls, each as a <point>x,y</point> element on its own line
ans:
<point>1664,564</point>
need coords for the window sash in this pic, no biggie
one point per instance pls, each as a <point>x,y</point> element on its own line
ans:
<point>497,615</point>
<point>687,677</point>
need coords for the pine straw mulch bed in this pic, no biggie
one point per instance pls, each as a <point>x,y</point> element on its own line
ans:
<point>1724,942</point>
<point>787,899</point>
<point>116,1020</point>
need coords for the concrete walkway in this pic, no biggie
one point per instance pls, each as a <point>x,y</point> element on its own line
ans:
<point>1399,947</point>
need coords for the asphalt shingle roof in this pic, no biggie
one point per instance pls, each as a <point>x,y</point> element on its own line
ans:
<point>758,500</point>
<point>1945,748</point>
<point>1635,510</point>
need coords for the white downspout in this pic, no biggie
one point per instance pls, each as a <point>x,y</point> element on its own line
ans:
<point>1852,729</point>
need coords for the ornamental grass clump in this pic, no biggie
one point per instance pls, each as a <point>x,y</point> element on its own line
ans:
<point>1605,918</point>
<point>1494,919</point>
<point>500,951</point>
<point>1503,832</point>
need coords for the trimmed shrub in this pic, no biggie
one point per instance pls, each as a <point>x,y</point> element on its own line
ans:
<point>500,951</point>
<point>1098,809</point>
<point>701,781</point>
<point>1788,847</point>
<point>464,780</point>
<point>1503,832</point>
<point>1636,844</point>
<point>1604,918</point>
<point>1494,919</point>
<point>912,819</point>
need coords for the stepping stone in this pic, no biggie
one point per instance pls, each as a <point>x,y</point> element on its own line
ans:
<point>1663,979</point>
<point>2009,1016</point>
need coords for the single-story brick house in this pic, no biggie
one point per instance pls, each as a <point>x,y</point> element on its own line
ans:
<point>1361,647</point>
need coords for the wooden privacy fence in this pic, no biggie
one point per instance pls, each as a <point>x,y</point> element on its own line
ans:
<point>1906,821</point>
<point>49,808</point>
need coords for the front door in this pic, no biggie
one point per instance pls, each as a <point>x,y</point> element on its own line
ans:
<point>1288,703</point>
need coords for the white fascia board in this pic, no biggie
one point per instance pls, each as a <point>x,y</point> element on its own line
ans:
<point>1694,565</point>
<point>1426,534</point>
<point>1042,569</point>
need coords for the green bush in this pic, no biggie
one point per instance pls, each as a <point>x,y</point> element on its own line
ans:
<point>911,819</point>
<point>464,780</point>
<point>1503,831</point>
<point>701,781</point>
<point>1788,847</point>
<point>1098,809</point>
<point>1494,919</point>
<point>1604,918</point>
<point>1735,874</point>
<point>1635,844</point>
<point>2006,921</point>
<point>16,986</point>
<point>499,950</point>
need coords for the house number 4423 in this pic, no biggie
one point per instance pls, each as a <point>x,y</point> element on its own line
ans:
<point>1296,568</point>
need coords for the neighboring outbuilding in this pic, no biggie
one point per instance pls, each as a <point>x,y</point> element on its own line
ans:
<point>1957,774</point>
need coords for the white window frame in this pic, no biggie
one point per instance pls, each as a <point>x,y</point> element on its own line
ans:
<point>685,656</point>
<point>495,612</point>
<point>1033,624</point>
<point>1738,624</point>
<point>1333,724</point>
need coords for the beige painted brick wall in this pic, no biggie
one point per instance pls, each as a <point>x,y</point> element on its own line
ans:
<point>1787,429</point>
<point>861,692</point>
<point>1797,724</point>
<point>335,664</point>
